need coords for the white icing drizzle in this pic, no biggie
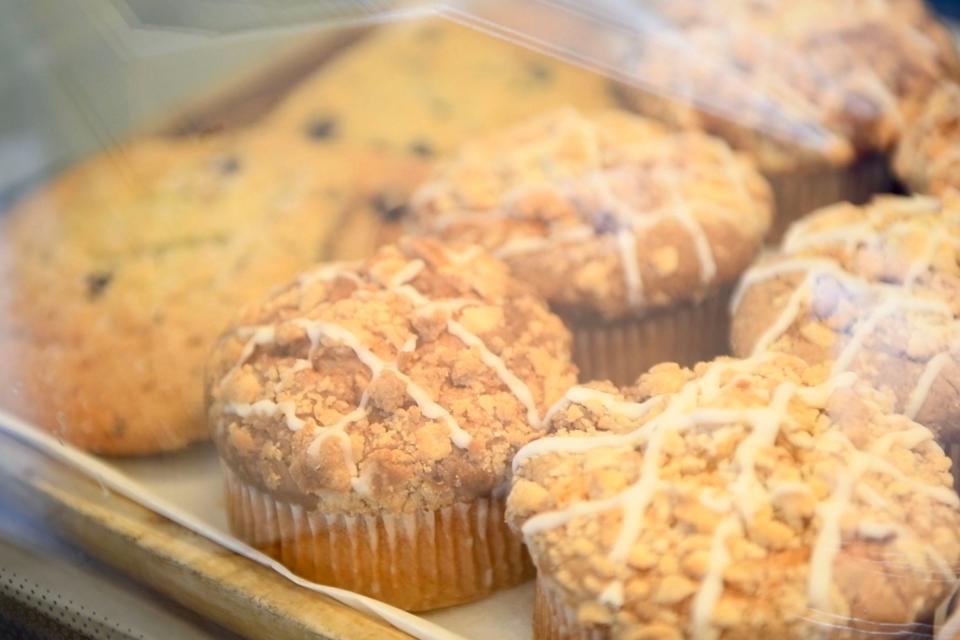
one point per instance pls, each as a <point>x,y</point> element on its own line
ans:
<point>595,176</point>
<point>745,494</point>
<point>734,170</point>
<point>869,495</point>
<point>554,519</point>
<point>328,272</point>
<point>819,396</point>
<point>681,210</point>
<point>612,595</point>
<point>872,530</point>
<point>888,307</point>
<point>891,299</point>
<point>829,540</point>
<point>317,329</point>
<point>256,335</point>
<point>799,296</point>
<point>267,409</point>
<point>407,273</point>
<point>918,396</point>
<point>336,431</point>
<point>586,395</point>
<point>711,588</point>
<point>879,312</point>
<point>516,386</point>
<point>822,266</point>
<point>626,237</point>
<point>748,494</point>
<point>520,246</point>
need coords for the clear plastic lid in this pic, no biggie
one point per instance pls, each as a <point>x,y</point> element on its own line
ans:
<point>362,298</point>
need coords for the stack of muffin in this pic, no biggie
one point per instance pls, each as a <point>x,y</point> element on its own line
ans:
<point>409,425</point>
<point>816,92</point>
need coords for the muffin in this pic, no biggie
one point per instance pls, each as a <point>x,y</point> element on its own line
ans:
<point>755,498</point>
<point>947,620</point>
<point>111,296</point>
<point>816,92</point>
<point>928,157</point>
<point>633,233</point>
<point>872,289</point>
<point>366,415</point>
<point>422,69</point>
<point>117,277</point>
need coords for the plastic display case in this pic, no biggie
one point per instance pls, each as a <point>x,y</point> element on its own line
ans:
<point>490,319</point>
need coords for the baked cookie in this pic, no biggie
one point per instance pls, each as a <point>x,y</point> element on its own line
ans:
<point>753,498</point>
<point>425,86</point>
<point>422,70</point>
<point>119,275</point>
<point>367,415</point>
<point>928,157</point>
<point>631,232</point>
<point>874,290</point>
<point>149,247</point>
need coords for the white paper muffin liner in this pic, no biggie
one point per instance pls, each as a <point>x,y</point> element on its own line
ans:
<point>620,350</point>
<point>416,561</point>
<point>553,620</point>
<point>797,193</point>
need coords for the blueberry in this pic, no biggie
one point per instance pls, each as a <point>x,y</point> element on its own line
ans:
<point>97,283</point>
<point>540,73</point>
<point>605,222</point>
<point>322,128</point>
<point>421,148</point>
<point>228,165</point>
<point>389,207</point>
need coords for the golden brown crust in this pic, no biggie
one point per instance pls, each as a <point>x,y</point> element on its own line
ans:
<point>871,289</point>
<point>795,83</point>
<point>171,248</point>
<point>403,383</point>
<point>120,274</point>
<point>403,88</point>
<point>605,215</point>
<point>84,299</point>
<point>927,159</point>
<point>416,561</point>
<point>746,498</point>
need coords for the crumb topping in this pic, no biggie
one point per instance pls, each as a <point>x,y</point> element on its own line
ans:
<point>872,289</point>
<point>928,157</point>
<point>743,495</point>
<point>404,382</point>
<point>607,213</point>
<point>783,79</point>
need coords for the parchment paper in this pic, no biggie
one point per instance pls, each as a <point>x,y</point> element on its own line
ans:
<point>187,488</point>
